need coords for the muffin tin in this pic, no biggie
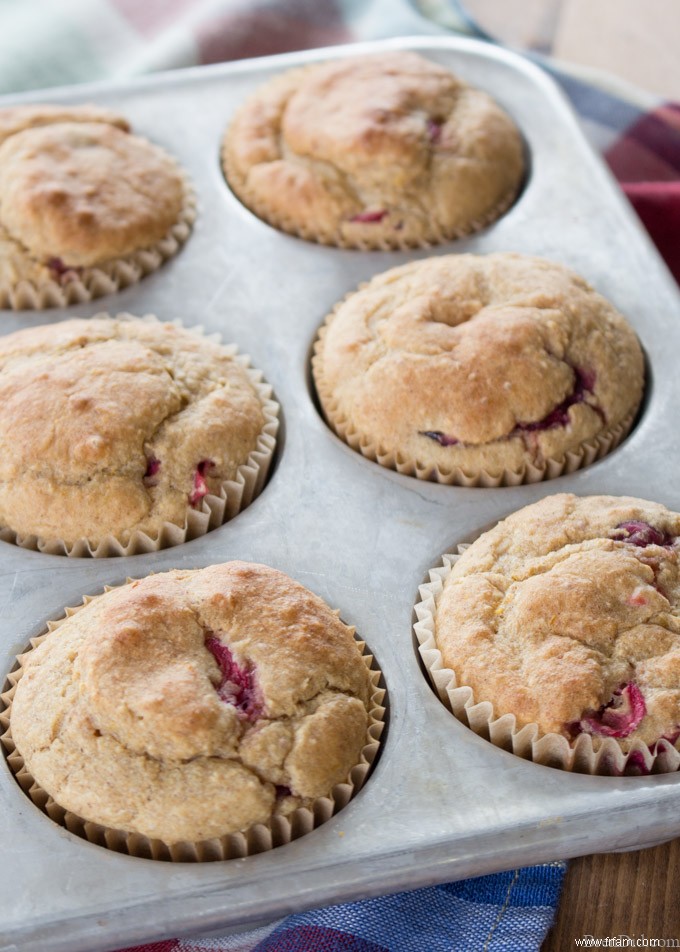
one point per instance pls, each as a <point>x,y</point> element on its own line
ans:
<point>441,803</point>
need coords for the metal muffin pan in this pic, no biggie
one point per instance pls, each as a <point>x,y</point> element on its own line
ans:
<point>441,803</point>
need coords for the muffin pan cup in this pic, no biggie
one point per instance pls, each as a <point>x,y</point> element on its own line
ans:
<point>281,829</point>
<point>586,754</point>
<point>86,284</point>
<point>213,510</point>
<point>361,237</point>
<point>441,803</point>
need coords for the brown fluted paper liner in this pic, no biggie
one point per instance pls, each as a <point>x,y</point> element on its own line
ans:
<point>362,243</point>
<point>214,510</point>
<point>86,284</point>
<point>586,754</point>
<point>257,839</point>
<point>588,452</point>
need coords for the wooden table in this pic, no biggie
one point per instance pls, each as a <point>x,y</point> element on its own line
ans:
<point>611,894</point>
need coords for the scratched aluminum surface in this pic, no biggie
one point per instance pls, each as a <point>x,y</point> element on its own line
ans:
<point>442,803</point>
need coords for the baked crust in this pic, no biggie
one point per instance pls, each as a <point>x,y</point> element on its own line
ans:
<point>477,364</point>
<point>129,716</point>
<point>85,206</point>
<point>15,119</point>
<point>388,150</point>
<point>86,192</point>
<point>110,426</point>
<point>566,613</point>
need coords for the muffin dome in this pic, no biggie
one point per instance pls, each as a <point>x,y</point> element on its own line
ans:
<point>479,369</point>
<point>389,150</point>
<point>193,704</point>
<point>85,207</point>
<point>112,426</point>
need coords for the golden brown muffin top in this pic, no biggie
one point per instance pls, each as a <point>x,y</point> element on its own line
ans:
<point>567,615</point>
<point>482,363</point>
<point>77,193</point>
<point>192,704</point>
<point>382,150</point>
<point>108,426</point>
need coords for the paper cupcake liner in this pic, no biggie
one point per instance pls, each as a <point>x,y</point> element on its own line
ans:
<point>434,236</point>
<point>257,839</point>
<point>85,284</point>
<point>586,754</point>
<point>234,496</point>
<point>532,472</point>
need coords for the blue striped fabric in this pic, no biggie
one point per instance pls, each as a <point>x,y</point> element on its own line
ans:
<point>507,912</point>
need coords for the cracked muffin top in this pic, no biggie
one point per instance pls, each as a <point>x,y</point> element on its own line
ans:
<point>108,426</point>
<point>567,615</point>
<point>389,150</point>
<point>78,190</point>
<point>476,364</point>
<point>193,704</point>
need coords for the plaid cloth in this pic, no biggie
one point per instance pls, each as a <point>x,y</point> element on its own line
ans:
<point>43,44</point>
<point>641,144</point>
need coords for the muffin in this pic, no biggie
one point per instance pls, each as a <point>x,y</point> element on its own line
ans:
<point>86,207</point>
<point>479,370</point>
<point>191,705</point>
<point>565,618</point>
<point>116,431</point>
<point>382,151</point>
